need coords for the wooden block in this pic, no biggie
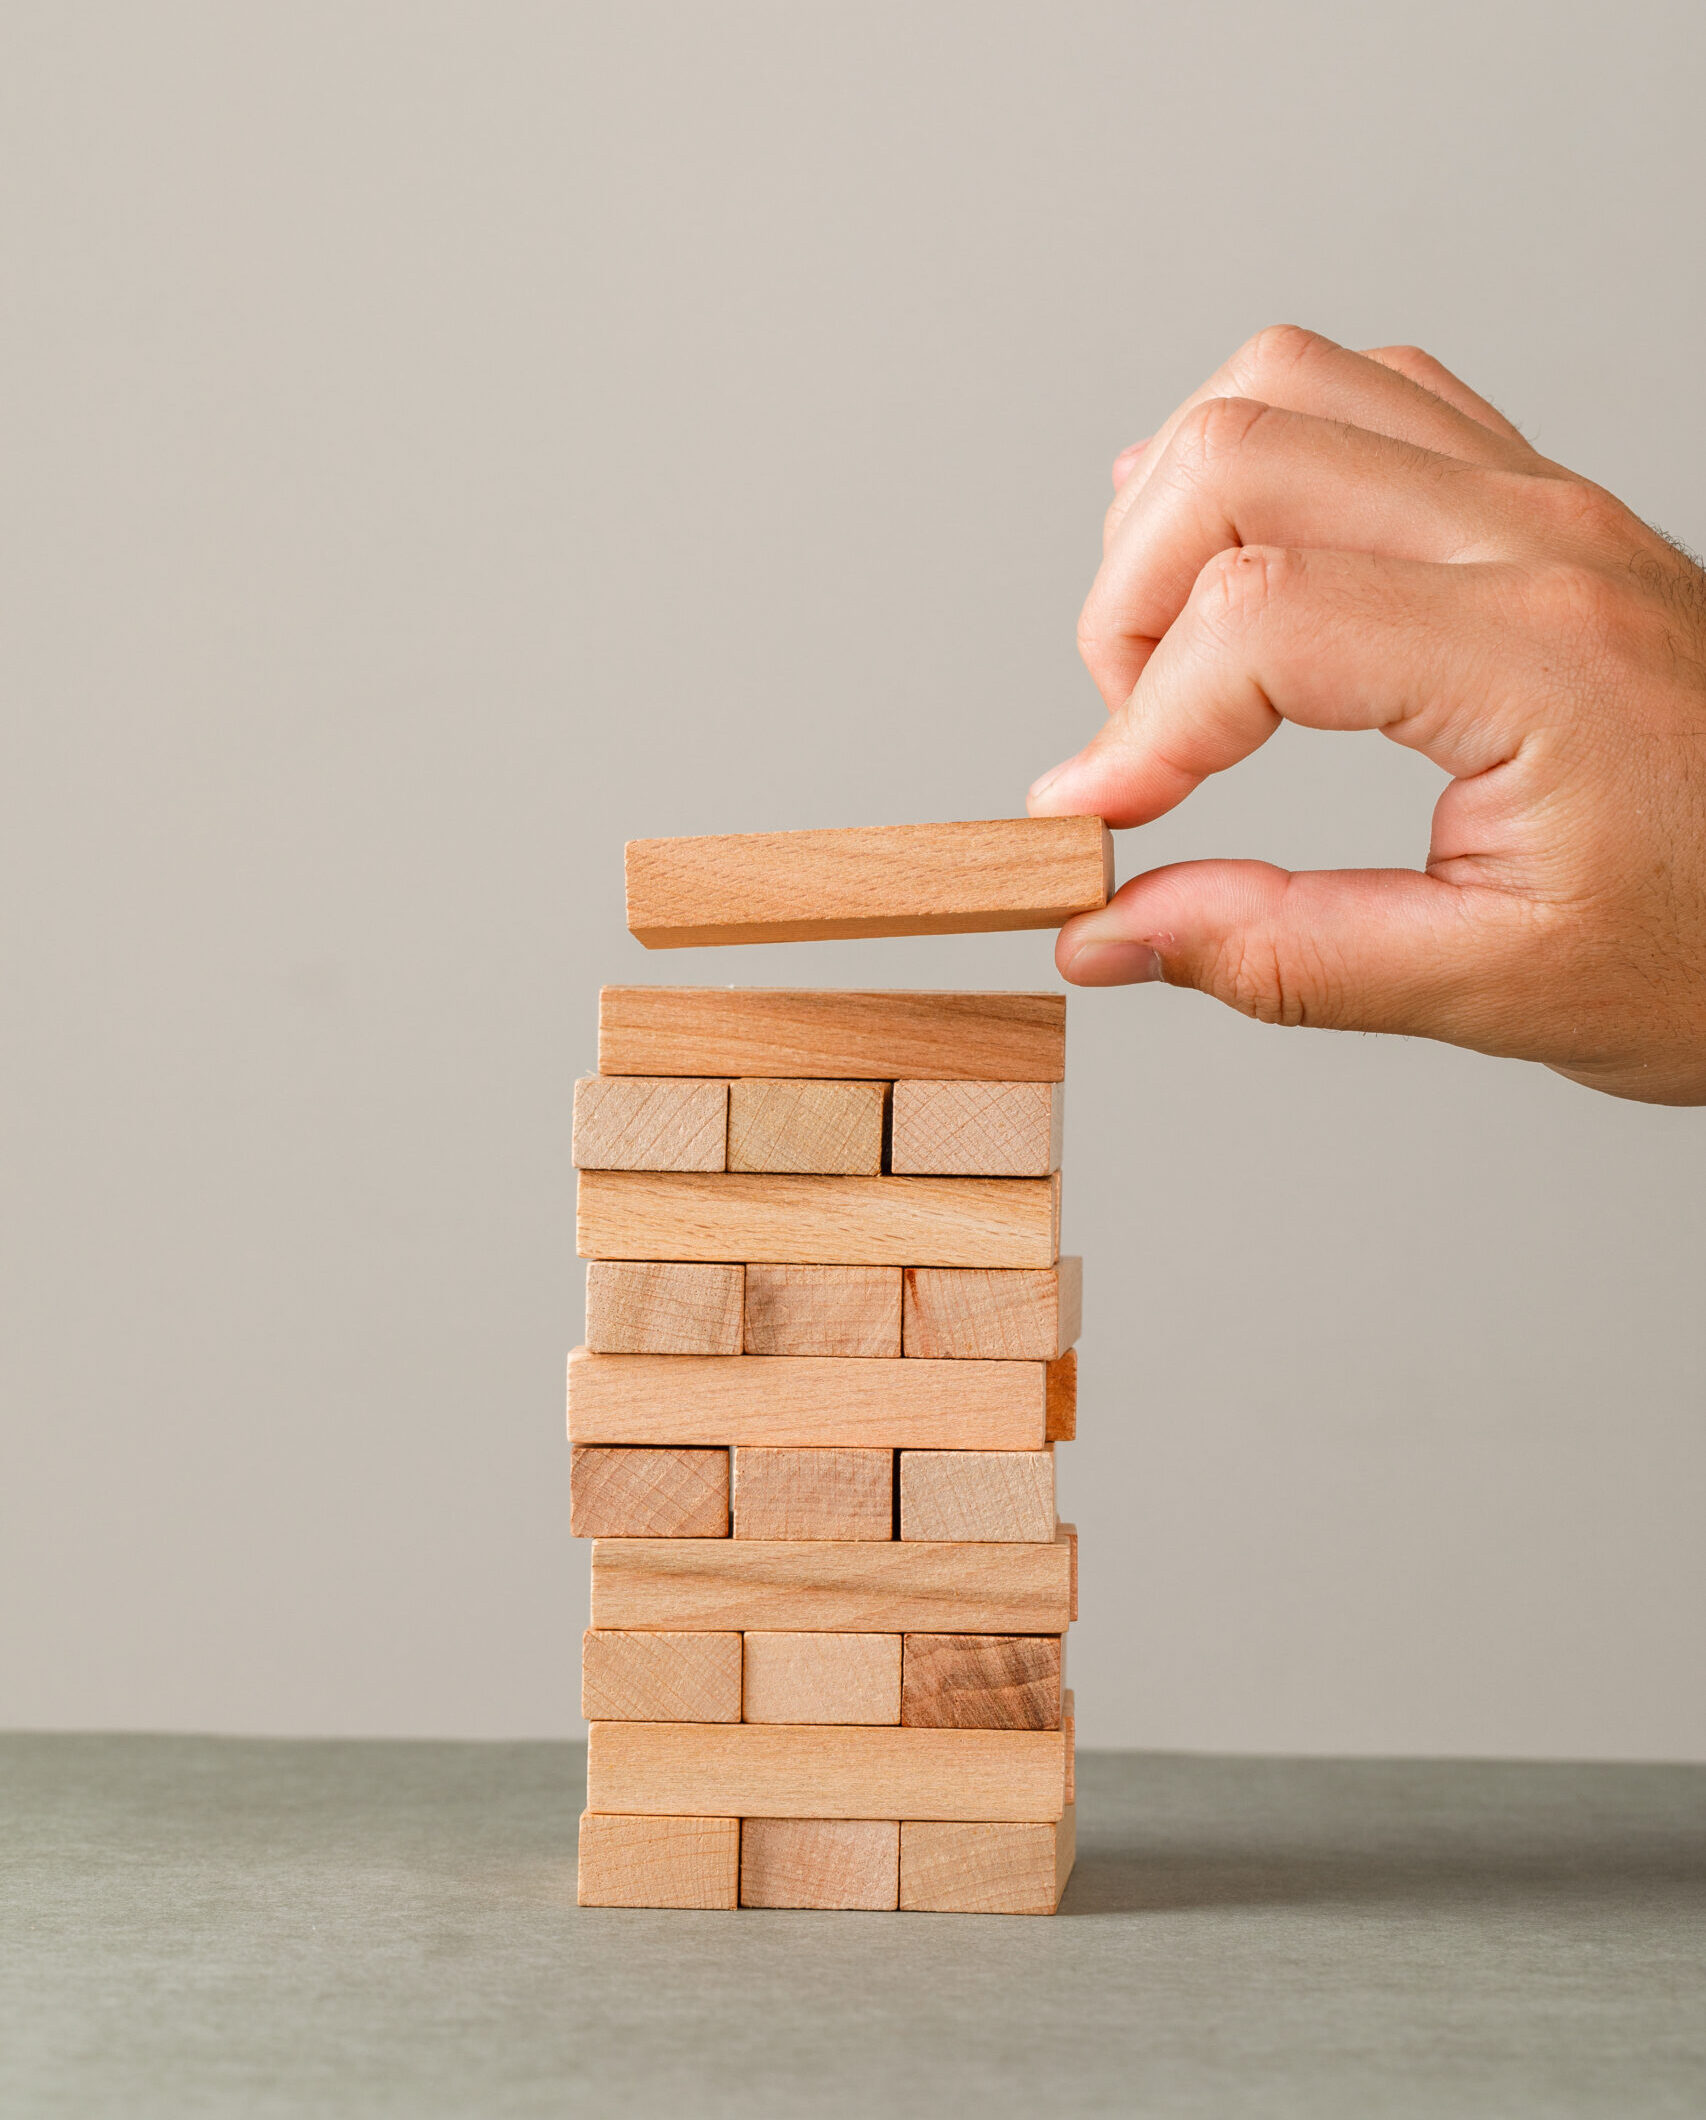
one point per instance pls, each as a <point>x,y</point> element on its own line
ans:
<point>786,1770</point>
<point>1067,1536</point>
<point>659,1862</point>
<point>1025,1315</point>
<point>630,1123</point>
<point>987,1495</point>
<point>834,1586</point>
<point>650,1306</point>
<point>732,1030</point>
<point>981,1681</point>
<point>648,1493</point>
<point>805,1401</point>
<point>786,1221</point>
<point>977,1129</point>
<point>820,1862</point>
<point>813,1493</point>
<point>660,1677</point>
<point>985,1869</point>
<point>900,879</point>
<point>1060,1413</point>
<point>1069,1724</point>
<point>840,1310</point>
<point>830,1128</point>
<point>821,1678</point>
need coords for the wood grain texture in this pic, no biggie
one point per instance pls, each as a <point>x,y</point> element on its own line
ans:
<point>1008,1868</point>
<point>883,1036</point>
<point>627,1122</point>
<point>1060,1415</point>
<point>821,1678</point>
<point>852,1311</point>
<point>785,1770</point>
<point>977,1129</point>
<point>631,1677</point>
<point>781,1494</point>
<point>804,1401</point>
<point>651,1306</point>
<point>993,1496</point>
<point>627,1861</point>
<point>788,1221</point>
<point>981,1681</point>
<point>627,1493</point>
<point>972,1313</point>
<point>903,879</point>
<point>830,1129</point>
<point>820,1862</point>
<point>1069,1726</point>
<point>831,1586</point>
<point>1067,1536</point>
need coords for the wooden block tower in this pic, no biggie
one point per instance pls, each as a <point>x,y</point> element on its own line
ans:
<point>829,1354</point>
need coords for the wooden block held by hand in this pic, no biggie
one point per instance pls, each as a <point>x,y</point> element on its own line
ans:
<point>977,1129</point>
<point>628,1861</point>
<point>849,1311</point>
<point>626,1122</point>
<point>904,879</point>
<point>647,1306</point>
<point>820,1862</point>
<point>985,1869</point>
<point>827,1129</point>
<point>987,1495</point>
<point>981,1681</point>
<point>781,1494</point>
<point>971,1312</point>
<point>630,1677</point>
<point>647,1493</point>
<point>822,1678</point>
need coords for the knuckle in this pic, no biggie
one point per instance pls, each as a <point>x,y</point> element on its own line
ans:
<point>1278,350</point>
<point>1580,513</point>
<point>1251,974</point>
<point>1236,586</point>
<point>1212,431</point>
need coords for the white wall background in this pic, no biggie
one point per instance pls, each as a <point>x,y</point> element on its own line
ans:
<point>444,441</point>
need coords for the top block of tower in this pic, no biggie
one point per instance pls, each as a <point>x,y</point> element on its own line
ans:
<point>903,879</point>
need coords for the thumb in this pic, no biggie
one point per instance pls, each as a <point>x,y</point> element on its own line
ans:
<point>1341,949</point>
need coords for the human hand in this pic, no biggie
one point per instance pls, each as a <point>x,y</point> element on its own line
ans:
<point>1358,541</point>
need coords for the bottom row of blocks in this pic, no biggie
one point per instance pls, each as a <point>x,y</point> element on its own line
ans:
<point>918,1866</point>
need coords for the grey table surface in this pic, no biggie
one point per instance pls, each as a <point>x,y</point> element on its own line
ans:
<point>206,1925</point>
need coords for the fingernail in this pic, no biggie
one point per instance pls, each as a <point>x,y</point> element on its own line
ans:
<point>1039,788</point>
<point>1113,964</point>
<point>1125,462</point>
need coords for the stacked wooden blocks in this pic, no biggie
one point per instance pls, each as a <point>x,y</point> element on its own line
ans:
<point>829,1353</point>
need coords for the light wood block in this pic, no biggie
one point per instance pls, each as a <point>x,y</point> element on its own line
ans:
<point>647,1306</point>
<point>660,1677</point>
<point>977,1129</point>
<point>782,1494</point>
<point>834,1586</point>
<point>648,1493</point>
<point>832,1129</point>
<point>1024,1315</point>
<point>787,1221</point>
<point>1069,1724</point>
<point>785,1770</point>
<point>821,1678</point>
<point>805,1401</point>
<point>1060,1413</point>
<point>986,1869</point>
<point>820,1862</point>
<point>629,1123</point>
<point>852,1311</point>
<point>722,1030</point>
<point>1067,1536</point>
<point>627,1861</point>
<point>900,879</point>
<point>987,1495</point>
<point>981,1681</point>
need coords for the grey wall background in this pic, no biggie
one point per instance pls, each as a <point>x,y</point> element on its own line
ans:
<point>442,442</point>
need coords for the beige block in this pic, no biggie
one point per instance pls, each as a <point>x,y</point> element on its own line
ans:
<point>666,1494</point>
<point>781,1494</point>
<point>627,1861</point>
<point>1067,1535</point>
<point>984,1495</point>
<point>822,1678</point>
<point>648,1306</point>
<point>1022,1314</point>
<point>820,1862</point>
<point>825,1128</point>
<point>985,877</point>
<point>850,1311</point>
<point>981,1681</point>
<point>977,1129</point>
<point>630,1123</point>
<point>1009,1868</point>
<point>1069,1727</point>
<point>645,1677</point>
